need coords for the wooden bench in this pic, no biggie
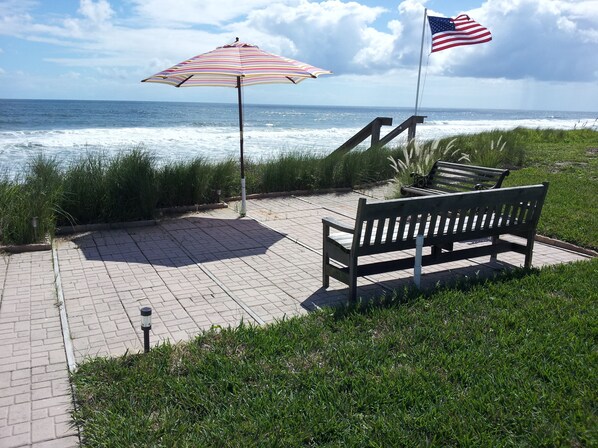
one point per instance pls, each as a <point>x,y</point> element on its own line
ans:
<point>448,177</point>
<point>435,221</point>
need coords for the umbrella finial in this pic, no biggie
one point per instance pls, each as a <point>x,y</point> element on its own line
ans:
<point>236,39</point>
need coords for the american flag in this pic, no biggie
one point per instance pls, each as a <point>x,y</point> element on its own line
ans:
<point>448,33</point>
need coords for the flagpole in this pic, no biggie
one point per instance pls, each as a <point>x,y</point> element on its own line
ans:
<point>421,54</point>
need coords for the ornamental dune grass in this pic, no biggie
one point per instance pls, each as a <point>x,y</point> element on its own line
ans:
<point>85,194</point>
<point>363,167</point>
<point>29,206</point>
<point>196,182</point>
<point>492,148</point>
<point>418,157</point>
<point>132,185</point>
<point>226,178</point>
<point>302,171</point>
<point>287,172</point>
<point>131,190</point>
<point>184,183</point>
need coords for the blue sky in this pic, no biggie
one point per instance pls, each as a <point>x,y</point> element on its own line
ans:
<point>544,53</point>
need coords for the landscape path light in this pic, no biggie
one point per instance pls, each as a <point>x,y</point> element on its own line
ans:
<point>34,225</point>
<point>146,325</point>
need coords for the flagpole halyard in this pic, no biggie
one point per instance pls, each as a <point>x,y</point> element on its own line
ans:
<point>421,53</point>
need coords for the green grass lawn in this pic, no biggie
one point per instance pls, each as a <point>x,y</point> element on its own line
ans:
<point>569,161</point>
<point>507,362</point>
<point>511,362</point>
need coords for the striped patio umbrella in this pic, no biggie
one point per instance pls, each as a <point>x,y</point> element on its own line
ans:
<point>236,65</point>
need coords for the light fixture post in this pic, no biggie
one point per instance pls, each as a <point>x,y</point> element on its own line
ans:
<point>146,326</point>
<point>34,225</point>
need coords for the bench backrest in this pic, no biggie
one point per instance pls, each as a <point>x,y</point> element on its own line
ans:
<point>385,226</point>
<point>455,177</point>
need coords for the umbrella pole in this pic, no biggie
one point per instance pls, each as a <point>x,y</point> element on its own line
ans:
<point>243,193</point>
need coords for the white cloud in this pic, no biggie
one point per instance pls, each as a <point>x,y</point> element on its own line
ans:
<point>550,40</point>
<point>330,34</point>
<point>210,12</point>
<point>544,40</point>
<point>98,12</point>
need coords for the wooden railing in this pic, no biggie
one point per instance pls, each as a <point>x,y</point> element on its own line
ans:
<point>410,124</point>
<point>373,129</point>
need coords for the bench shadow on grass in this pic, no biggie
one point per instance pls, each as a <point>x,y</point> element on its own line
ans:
<point>179,242</point>
<point>388,293</point>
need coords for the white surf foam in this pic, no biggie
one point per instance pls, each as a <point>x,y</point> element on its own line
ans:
<point>219,143</point>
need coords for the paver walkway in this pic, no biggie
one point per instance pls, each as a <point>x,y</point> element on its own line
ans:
<point>201,270</point>
<point>35,395</point>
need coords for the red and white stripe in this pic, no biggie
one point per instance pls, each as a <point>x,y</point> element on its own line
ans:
<point>221,67</point>
<point>467,32</point>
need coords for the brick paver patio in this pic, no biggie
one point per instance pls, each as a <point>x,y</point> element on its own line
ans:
<point>204,269</point>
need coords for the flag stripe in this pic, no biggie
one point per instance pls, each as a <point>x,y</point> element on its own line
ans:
<point>462,30</point>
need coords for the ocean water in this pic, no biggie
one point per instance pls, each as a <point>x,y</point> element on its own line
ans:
<point>67,129</point>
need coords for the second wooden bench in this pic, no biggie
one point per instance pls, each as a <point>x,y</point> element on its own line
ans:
<point>449,177</point>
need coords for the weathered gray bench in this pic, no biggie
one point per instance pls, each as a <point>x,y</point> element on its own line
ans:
<point>434,221</point>
<point>448,177</point>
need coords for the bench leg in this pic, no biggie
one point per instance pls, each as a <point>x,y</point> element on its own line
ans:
<point>417,270</point>
<point>494,242</point>
<point>325,263</point>
<point>353,282</point>
<point>529,251</point>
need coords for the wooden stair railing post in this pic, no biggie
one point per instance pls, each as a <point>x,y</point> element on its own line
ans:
<point>376,125</point>
<point>371,129</point>
<point>409,124</point>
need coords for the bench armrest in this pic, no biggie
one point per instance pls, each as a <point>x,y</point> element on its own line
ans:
<point>331,222</point>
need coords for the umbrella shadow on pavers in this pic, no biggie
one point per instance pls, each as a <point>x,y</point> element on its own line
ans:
<point>384,285</point>
<point>180,242</point>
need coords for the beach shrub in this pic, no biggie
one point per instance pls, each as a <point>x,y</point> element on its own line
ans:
<point>85,191</point>
<point>14,227</point>
<point>184,183</point>
<point>29,206</point>
<point>357,167</point>
<point>226,179</point>
<point>44,189</point>
<point>491,149</point>
<point>287,172</point>
<point>131,187</point>
<point>96,189</point>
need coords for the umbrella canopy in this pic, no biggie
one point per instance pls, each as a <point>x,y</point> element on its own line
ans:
<point>236,65</point>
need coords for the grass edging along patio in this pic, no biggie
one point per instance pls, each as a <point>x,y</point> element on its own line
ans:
<point>277,194</point>
<point>565,245</point>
